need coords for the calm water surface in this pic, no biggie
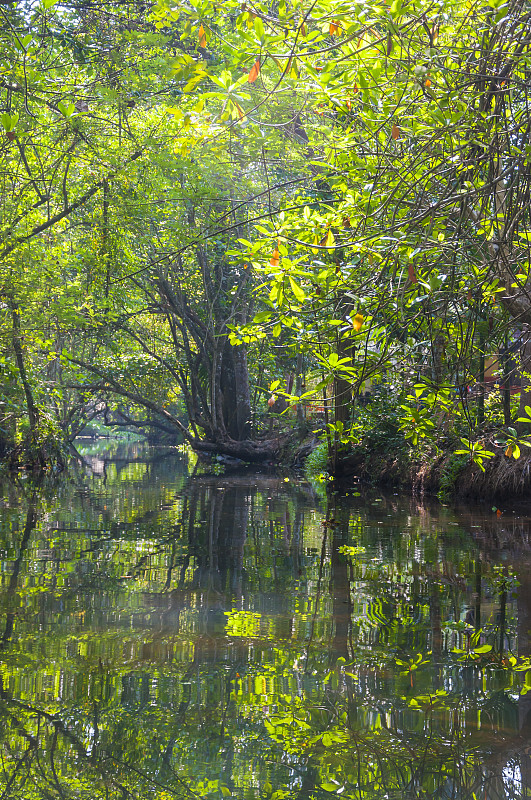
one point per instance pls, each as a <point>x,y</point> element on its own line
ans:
<point>168,635</point>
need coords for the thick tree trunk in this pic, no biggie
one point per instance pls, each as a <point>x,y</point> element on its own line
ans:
<point>243,393</point>
<point>236,391</point>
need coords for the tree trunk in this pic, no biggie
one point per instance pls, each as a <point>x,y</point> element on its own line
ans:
<point>243,393</point>
<point>33,411</point>
<point>525,369</point>
<point>505,359</point>
<point>342,387</point>
<point>299,389</point>
<point>236,391</point>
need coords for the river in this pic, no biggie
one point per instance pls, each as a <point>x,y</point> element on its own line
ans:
<point>167,632</point>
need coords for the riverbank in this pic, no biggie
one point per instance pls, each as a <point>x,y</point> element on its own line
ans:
<point>447,475</point>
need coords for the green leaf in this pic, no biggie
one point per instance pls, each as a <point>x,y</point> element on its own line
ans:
<point>263,316</point>
<point>9,121</point>
<point>297,291</point>
<point>66,109</point>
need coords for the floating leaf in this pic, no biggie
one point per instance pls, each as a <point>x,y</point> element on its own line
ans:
<point>255,71</point>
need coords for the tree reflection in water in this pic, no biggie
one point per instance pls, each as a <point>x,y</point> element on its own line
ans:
<point>166,636</point>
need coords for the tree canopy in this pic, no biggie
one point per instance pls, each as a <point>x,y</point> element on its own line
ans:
<point>209,205</point>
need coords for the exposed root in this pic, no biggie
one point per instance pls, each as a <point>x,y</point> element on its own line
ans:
<point>503,478</point>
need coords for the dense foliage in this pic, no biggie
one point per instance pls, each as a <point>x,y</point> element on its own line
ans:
<point>208,204</point>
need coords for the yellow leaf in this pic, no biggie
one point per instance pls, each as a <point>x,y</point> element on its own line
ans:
<point>509,451</point>
<point>275,258</point>
<point>202,36</point>
<point>357,322</point>
<point>334,28</point>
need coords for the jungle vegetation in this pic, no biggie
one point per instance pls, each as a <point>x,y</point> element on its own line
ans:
<point>210,210</point>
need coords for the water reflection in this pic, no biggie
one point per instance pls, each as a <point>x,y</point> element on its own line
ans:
<point>172,636</point>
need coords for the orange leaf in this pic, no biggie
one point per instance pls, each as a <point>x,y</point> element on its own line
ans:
<point>357,322</point>
<point>334,28</point>
<point>303,29</point>
<point>275,258</point>
<point>412,275</point>
<point>427,83</point>
<point>239,109</point>
<point>499,513</point>
<point>255,71</point>
<point>509,451</point>
<point>395,132</point>
<point>202,36</point>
